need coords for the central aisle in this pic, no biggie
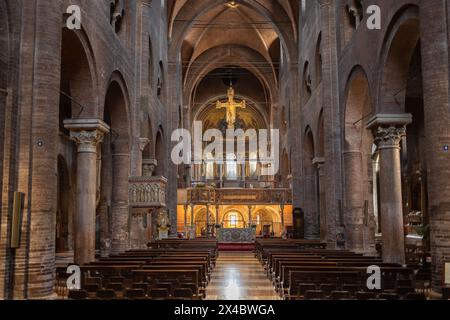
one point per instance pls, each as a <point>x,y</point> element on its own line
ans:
<point>239,276</point>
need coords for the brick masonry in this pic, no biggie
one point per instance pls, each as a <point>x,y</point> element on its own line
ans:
<point>31,139</point>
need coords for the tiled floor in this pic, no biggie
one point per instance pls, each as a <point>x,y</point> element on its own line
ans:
<point>239,276</point>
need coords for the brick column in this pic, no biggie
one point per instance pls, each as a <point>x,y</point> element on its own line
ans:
<point>435,72</point>
<point>389,131</point>
<point>87,134</point>
<point>332,117</point>
<point>30,151</point>
<point>357,232</point>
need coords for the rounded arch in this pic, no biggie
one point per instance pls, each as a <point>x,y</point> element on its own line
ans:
<point>401,39</point>
<point>358,108</point>
<point>358,169</point>
<point>240,56</point>
<point>115,167</point>
<point>260,117</point>
<point>116,113</point>
<point>276,215</point>
<point>200,214</point>
<point>233,218</point>
<point>78,87</point>
<point>201,220</point>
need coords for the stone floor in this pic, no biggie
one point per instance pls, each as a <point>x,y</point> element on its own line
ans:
<point>239,276</point>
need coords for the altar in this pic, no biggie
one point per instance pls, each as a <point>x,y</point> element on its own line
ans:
<point>236,235</point>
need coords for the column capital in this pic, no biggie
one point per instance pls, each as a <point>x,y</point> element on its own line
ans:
<point>388,120</point>
<point>143,142</point>
<point>389,129</point>
<point>86,133</point>
<point>87,141</point>
<point>389,137</point>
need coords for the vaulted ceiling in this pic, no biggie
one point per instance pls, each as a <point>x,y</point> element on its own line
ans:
<point>209,34</point>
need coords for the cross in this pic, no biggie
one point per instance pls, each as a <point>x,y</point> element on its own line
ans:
<point>231,106</point>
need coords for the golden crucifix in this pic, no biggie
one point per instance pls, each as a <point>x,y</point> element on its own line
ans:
<point>231,106</point>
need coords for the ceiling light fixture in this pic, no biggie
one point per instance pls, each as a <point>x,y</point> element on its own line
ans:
<point>232,4</point>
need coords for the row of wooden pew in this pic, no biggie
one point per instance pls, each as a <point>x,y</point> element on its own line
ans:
<point>304,270</point>
<point>169,269</point>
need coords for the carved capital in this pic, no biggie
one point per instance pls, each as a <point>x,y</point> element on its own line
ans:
<point>87,141</point>
<point>143,142</point>
<point>389,137</point>
<point>87,133</point>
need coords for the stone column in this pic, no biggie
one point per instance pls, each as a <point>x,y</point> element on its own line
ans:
<point>389,131</point>
<point>250,216</point>
<point>87,134</point>
<point>320,163</point>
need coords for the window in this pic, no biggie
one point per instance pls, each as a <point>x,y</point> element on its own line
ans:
<point>233,220</point>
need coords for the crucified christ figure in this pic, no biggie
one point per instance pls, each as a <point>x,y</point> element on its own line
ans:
<point>231,105</point>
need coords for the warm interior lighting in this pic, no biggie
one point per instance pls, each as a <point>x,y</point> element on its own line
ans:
<point>232,4</point>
